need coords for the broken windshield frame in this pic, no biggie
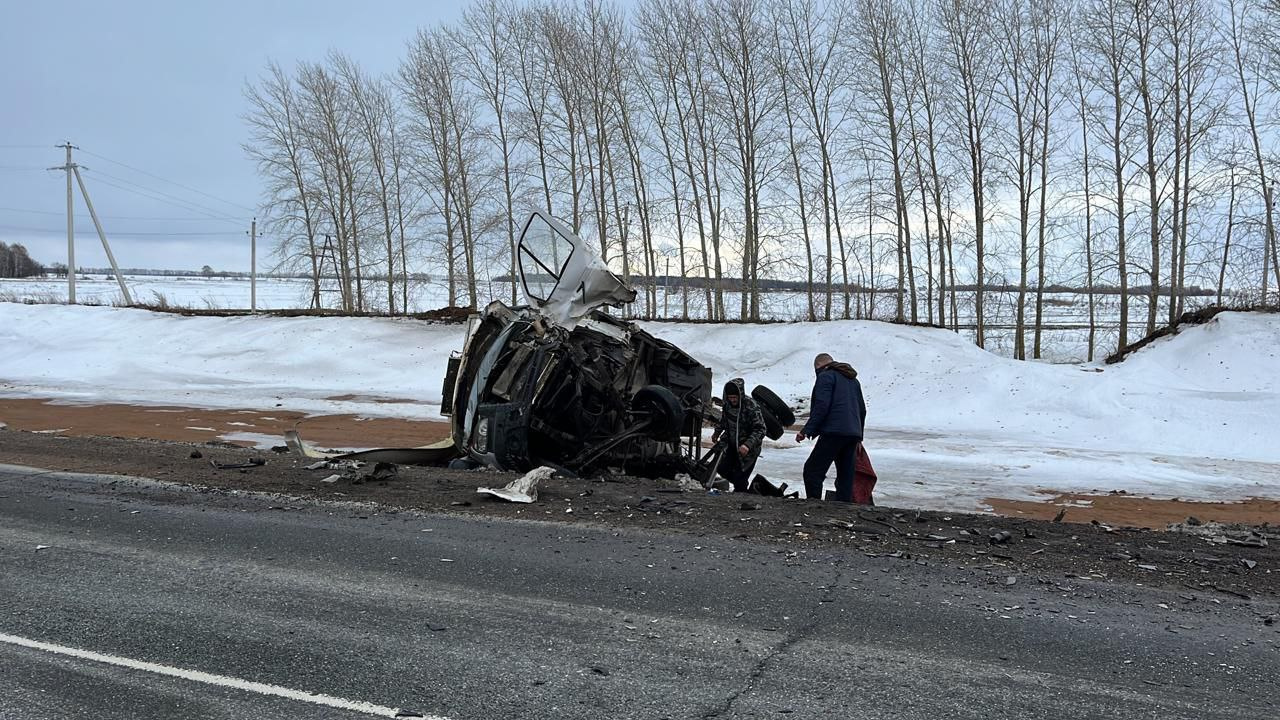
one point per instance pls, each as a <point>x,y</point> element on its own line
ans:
<point>535,240</point>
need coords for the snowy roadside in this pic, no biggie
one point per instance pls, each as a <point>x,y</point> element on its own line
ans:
<point>949,424</point>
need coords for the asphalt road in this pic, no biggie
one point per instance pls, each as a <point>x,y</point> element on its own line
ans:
<point>122,600</point>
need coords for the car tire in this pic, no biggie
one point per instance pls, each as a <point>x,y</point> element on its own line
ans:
<point>666,414</point>
<point>772,428</point>
<point>769,399</point>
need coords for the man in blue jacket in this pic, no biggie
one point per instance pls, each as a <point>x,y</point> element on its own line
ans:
<point>837,413</point>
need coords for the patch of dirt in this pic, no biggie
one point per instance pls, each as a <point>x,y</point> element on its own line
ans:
<point>350,397</point>
<point>184,424</point>
<point>1199,316</point>
<point>991,549</point>
<point>1127,510</point>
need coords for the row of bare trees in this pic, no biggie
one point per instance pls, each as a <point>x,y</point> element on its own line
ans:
<point>16,263</point>
<point>898,158</point>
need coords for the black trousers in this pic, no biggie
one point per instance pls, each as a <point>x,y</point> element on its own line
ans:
<point>839,449</point>
<point>736,469</point>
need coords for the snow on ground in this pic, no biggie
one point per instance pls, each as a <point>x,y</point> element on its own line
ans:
<point>949,424</point>
<point>101,354</point>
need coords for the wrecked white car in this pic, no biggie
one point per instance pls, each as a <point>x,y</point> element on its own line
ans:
<point>561,383</point>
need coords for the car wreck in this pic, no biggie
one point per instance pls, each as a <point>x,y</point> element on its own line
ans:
<point>562,383</point>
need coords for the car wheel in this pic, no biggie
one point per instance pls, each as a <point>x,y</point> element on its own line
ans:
<point>666,414</point>
<point>772,428</point>
<point>769,399</point>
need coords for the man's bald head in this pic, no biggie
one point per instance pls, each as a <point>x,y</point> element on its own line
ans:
<point>822,361</point>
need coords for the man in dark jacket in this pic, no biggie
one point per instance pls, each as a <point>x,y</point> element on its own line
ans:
<point>837,413</point>
<point>741,429</point>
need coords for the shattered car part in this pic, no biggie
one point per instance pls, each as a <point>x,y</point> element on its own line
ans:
<point>435,454</point>
<point>561,383</point>
<point>523,489</point>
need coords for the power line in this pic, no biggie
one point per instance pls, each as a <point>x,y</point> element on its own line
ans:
<point>148,188</point>
<point>58,231</point>
<point>110,217</point>
<point>171,182</point>
<point>157,196</point>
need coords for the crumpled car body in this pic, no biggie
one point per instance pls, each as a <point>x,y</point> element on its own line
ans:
<point>561,383</point>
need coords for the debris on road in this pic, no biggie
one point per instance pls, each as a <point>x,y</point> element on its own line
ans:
<point>250,463</point>
<point>523,489</point>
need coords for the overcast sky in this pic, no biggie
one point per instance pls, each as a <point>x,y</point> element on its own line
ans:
<point>151,92</point>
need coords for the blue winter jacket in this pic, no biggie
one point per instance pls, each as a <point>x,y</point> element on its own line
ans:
<point>837,407</point>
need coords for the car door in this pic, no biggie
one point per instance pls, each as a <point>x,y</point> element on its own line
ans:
<point>562,275</point>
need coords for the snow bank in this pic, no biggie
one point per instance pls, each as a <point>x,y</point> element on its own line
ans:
<point>1193,415</point>
<point>100,354</point>
<point>949,424</point>
<point>1211,390</point>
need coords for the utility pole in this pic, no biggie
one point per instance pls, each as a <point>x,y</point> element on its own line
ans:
<point>74,169</point>
<point>253,266</point>
<point>666,291</point>
<point>71,228</point>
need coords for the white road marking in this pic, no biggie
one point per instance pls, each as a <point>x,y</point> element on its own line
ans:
<point>211,679</point>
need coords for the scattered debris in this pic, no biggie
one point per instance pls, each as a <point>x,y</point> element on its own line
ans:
<point>1252,540</point>
<point>331,479</point>
<point>42,547</point>
<point>251,463</point>
<point>196,455</point>
<point>1250,564</point>
<point>1001,537</point>
<point>381,471</point>
<point>523,489</point>
<point>687,483</point>
<point>761,485</point>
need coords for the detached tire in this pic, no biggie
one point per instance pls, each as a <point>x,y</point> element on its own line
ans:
<point>666,414</point>
<point>772,428</point>
<point>769,400</point>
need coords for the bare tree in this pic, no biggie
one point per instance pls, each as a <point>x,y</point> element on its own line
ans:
<point>736,31</point>
<point>965,24</point>
<point>1248,74</point>
<point>443,123</point>
<point>489,55</point>
<point>277,146</point>
<point>1105,39</point>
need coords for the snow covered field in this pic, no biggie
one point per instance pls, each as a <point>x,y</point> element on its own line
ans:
<point>1065,314</point>
<point>1192,416</point>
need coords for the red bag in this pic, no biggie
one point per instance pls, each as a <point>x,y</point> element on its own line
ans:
<point>864,477</point>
